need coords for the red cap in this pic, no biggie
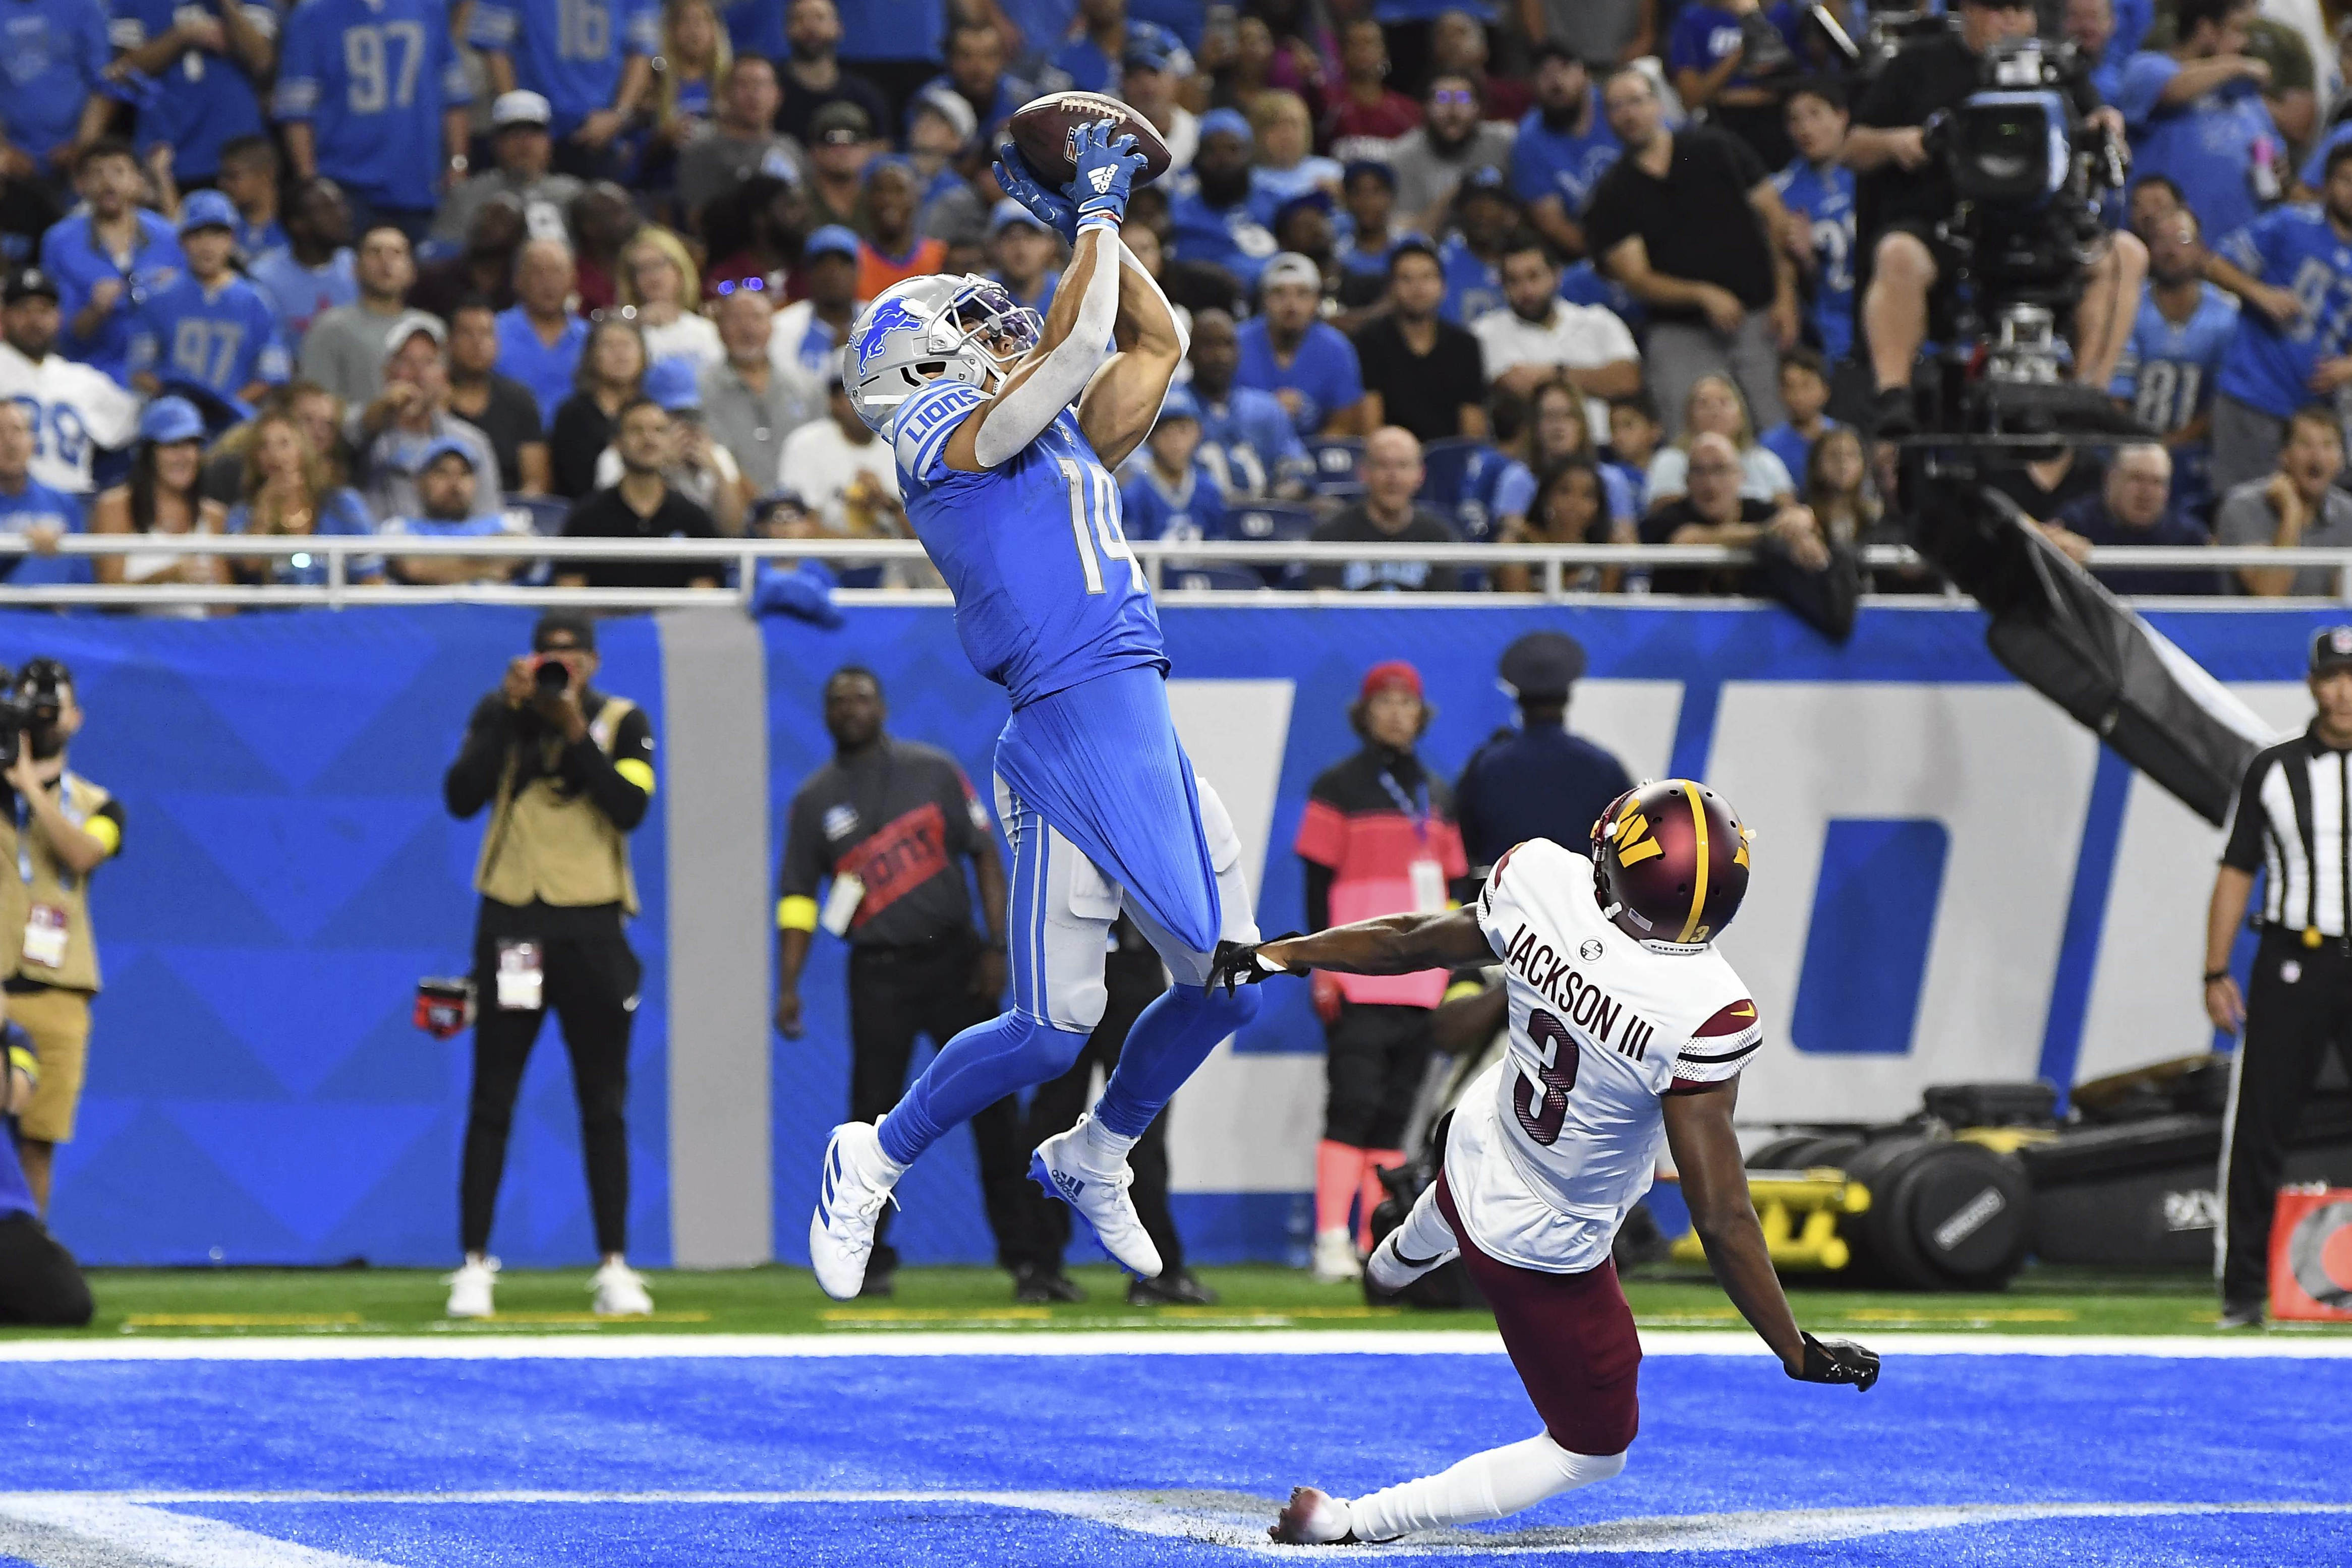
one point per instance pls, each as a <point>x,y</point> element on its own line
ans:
<point>1393,672</point>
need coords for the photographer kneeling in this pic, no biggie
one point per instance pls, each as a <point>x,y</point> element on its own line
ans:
<point>1904,192</point>
<point>567,771</point>
<point>59,828</point>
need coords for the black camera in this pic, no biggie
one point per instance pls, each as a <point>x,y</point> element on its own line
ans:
<point>550,675</point>
<point>31,704</point>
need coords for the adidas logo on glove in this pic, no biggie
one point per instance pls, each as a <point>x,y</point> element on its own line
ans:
<point>1102,179</point>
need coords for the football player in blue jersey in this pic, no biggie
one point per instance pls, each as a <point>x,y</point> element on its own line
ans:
<point>2174,355</point>
<point>211,329</point>
<point>1007,429</point>
<point>2292,268</point>
<point>1818,190</point>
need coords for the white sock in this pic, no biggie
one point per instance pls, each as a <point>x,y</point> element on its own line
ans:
<point>1485,1486</point>
<point>1424,1233</point>
<point>876,1164</point>
<point>1105,1148</point>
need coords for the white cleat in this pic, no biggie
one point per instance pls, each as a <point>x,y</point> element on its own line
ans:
<point>852,1188</point>
<point>1069,1167</point>
<point>470,1288</point>
<point>1334,1258</point>
<point>1313,1518</point>
<point>621,1293</point>
<point>1389,1270</point>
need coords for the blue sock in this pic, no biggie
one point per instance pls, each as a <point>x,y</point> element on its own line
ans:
<point>1169,1041</point>
<point>972,1071</point>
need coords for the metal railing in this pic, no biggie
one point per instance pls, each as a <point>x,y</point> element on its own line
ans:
<point>1553,564</point>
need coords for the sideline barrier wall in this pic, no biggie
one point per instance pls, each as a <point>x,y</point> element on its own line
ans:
<point>1954,882</point>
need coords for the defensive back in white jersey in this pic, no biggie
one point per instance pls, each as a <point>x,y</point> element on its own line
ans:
<point>1553,1148</point>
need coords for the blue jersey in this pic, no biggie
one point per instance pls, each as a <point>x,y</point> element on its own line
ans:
<point>222,339</point>
<point>2315,168</point>
<point>1082,63</point>
<point>1230,238</point>
<point>2168,373</point>
<point>895,30</point>
<point>1323,370</point>
<point>1792,447</point>
<point>1495,485</point>
<point>570,52</point>
<point>547,372</point>
<point>38,506</point>
<point>71,255</point>
<point>202,99</point>
<point>1188,19</point>
<point>1824,198</point>
<point>57,55</point>
<point>1704,33</point>
<point>2209,147</point>
<point>1583,284</point>
<point>300,294</point>
<point>1473,286</point>
<point>1563,163</point>
<point>2295,248</point>
<point>1358,259</point>
<point>1248,441</point>
<point>1155,509</point>
<point>1047,593</point>
<point>756,27</point>
<point>255,240</point>
<point>370,77</point>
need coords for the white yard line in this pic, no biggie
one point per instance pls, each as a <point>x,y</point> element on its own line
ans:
<point>1049,1342</point>
<point>103,1530</point>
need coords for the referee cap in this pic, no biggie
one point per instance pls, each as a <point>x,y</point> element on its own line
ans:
<point>2332,650</point>
<point>1542,665</point>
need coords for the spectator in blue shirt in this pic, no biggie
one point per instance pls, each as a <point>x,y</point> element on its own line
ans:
<point>976,74</point>
<point>31,508</point>
<point>896,45</point>
<point>1472,258</point>
<point>107,258</point>
<point>1089,62</point>
<point>211,329</point>
<point>205,62</point>
<point>2173,359</point>
<point>591,60</point>
<point>1713,60</point>
<point>1308,364</point>
<point>2195,115</point>
<point>1369,189</point>
<point>1248,438</point>
<point>315,271</point>
<point>249,179</point>
<point>1210,215</point>
<point>1817,190</point>
<point>2132,507</point>
<point>1564,147</point>
<point>371,93</point>
<point>1805,393</point>
<point>1173,495</point>
<point>53,107</point>
<point>446,509</point>
<point>539,340</point>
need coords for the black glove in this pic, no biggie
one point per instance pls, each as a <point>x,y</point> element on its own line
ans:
<point>1237,963</point>
<point>1838,1360</point>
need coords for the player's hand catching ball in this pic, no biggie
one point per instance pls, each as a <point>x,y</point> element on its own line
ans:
<point>1245,964</point>
<point>1837,1361</point>
<point>1019,181</point>
<point>1106,169</point>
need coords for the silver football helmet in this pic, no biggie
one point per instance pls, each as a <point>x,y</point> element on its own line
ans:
<point>964,329</point>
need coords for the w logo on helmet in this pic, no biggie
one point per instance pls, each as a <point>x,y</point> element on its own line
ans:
<point>890,315</point>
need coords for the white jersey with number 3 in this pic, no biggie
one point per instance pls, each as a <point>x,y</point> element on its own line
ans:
<point>1552,1148</point>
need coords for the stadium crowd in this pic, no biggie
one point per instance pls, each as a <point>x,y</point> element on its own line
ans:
<point>1493,270</point>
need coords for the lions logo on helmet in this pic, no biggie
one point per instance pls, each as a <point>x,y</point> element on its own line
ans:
<point>968,330</point>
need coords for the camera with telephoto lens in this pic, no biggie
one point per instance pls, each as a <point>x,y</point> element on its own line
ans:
<point>30,706</point>
<point>550,675</point>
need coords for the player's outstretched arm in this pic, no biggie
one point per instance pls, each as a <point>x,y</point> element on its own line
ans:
<point>1705,1149</point>
<point>1123,400</point>
<point>1391,944</point>
<point>1077,328</point>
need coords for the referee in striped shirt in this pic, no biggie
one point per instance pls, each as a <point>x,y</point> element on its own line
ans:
<point>2289,824</point>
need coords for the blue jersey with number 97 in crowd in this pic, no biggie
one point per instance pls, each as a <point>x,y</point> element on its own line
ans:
<point>1047,593</point>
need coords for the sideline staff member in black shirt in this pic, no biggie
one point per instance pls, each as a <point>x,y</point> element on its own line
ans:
<point>641,507</point>
<point>2288,822</point>
<point>884,831</point>
<point>1900,194</point>
<point>568,773</point>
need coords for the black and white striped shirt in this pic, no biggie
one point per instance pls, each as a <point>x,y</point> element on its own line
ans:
<point>2289,824</point>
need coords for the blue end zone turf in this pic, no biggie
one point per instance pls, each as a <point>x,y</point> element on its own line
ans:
<point>1129,1461</point>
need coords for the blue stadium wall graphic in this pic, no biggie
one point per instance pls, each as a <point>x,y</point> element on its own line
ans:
<point>1953,881</point>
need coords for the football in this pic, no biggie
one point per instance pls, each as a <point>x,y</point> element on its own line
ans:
<point>1043,127</point>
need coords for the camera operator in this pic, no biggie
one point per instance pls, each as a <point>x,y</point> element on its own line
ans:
<point>39,1281</point>
<point>60,827</point>
<point>567,771</point>
<point>1903,192</point>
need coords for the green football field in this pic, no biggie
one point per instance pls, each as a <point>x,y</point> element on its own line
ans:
<point>151,1302</point>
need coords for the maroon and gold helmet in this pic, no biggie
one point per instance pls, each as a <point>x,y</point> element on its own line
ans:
<point>1670,861</point>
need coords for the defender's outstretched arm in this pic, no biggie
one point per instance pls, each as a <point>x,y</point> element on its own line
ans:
<point>1391,944</point>
<point>1123,400</point>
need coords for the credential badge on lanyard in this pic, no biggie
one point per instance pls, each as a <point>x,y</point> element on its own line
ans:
<point>1428,876</point>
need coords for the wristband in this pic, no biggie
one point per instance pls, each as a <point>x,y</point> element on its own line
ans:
<point>2213,974</point>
